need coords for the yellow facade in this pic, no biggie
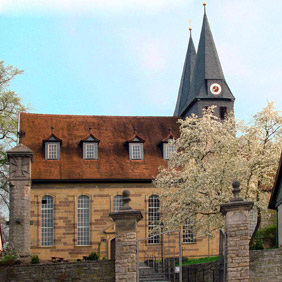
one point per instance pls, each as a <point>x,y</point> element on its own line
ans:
<point>102,232</point>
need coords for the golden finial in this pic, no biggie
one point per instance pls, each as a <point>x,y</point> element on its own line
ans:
<point>190,21</point>
<point>205,4</point>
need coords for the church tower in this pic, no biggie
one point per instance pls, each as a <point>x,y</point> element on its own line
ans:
<point>203,83</point>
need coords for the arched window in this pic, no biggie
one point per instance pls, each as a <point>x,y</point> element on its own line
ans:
<point>47,221</point>
<point>154,218</point>
<point>117,202</point>
<point>188,236</point>
<point>83,222</point>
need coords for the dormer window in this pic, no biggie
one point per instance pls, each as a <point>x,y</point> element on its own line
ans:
<point>90,146</point>
<point>52,146</point>
<point>52,151</point>
<point>135,147</point>
<point>168,149</point>
<point>167,146</point>
<point>136,151</point>
<point>91,151</point>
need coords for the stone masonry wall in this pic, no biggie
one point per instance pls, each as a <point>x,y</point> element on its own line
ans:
<point>98,271</point>
<point>101,225</point>
<point>266,265</point>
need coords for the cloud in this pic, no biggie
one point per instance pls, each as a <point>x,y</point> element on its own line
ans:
<point>83,7</point>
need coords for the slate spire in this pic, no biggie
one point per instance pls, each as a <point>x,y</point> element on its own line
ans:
<point>207,74</point>
<point>186,78</point>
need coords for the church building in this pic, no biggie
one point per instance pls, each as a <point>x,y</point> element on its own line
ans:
<point>71,170</point>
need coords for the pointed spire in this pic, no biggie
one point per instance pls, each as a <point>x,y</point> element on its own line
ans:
<point>186,78</point>
<point>207,68</point>
<point>208,64</point>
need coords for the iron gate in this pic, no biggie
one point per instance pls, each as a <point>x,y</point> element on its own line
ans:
<point>222,256</point>
<point>159,257</point>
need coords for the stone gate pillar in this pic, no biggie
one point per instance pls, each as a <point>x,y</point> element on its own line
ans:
<point>20,182</point>
<point>126,240</point>
<point>237,235</point>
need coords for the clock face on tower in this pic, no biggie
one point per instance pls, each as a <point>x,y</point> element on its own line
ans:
<point>215,89</point>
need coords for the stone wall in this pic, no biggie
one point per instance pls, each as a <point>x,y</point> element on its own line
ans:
<point>98,271</point>
<point>266,265</point>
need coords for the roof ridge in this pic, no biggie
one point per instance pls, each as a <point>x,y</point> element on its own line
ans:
<point>64,115</point>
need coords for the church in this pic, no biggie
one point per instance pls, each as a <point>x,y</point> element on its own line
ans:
<point>78,166</point>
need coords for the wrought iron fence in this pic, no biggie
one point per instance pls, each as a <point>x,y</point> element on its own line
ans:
<point>161,261</point>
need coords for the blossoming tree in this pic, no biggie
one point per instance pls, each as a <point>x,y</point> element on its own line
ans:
<point>210,155</point>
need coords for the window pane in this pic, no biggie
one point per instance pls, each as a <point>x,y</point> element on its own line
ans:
<point>136,151</point>
<point>47,221</point>
<point>188,236</point>
<point>91,151</point>
<point>154,218</point>
<point>117,202</point>
<point>52,152</point>
<point>83,221</point>
<point>168,150</point>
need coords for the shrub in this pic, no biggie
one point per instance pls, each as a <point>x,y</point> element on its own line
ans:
<point>35,260</point>
<point>93,256</point>
<point>9,256</point>
<point>264,238</point>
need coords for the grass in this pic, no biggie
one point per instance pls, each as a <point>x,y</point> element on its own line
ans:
<point>198,260</point>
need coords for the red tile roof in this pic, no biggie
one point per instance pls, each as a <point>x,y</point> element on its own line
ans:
<point>113,157</point>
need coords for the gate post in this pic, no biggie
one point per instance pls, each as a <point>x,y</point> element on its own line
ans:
<point>126,240</point>
<point>237,235</point>
<point>20,158</point>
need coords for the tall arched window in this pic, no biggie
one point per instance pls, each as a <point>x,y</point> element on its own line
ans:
<point>47,221</point>
<point>154,218</point>
<point>188,235</point>
<point>83,222</point>
<point>117,202</point>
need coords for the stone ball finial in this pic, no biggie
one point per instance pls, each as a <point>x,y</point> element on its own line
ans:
<point>125,200</point>
<point>236,191</point>
<point>125,193</point>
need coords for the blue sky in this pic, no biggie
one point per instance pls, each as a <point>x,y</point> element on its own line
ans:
<point>125,57</point>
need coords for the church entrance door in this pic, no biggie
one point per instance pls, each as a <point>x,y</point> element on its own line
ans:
<point>113,248</point>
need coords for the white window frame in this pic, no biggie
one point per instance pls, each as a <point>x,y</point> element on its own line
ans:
<point>47,221</point>
<point>153,218</point>
<point>117,203</point>
<point>132,155</point>
<point>52,154</point>
<point>187,232</point>
<point>88,145</point>
<point>83,220</point>
<point>168,149</point>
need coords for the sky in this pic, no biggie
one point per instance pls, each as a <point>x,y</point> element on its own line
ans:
<point>125,57</point>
